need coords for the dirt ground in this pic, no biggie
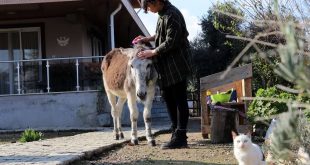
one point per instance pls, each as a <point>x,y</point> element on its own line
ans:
<point>200,152</point>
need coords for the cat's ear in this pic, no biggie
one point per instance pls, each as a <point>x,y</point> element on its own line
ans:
<point>234,134</point>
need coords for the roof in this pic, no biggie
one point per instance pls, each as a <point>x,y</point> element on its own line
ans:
<point>15,2</point>
<point>135,16</point>
<point>25,9</point>
<point>135,3</point>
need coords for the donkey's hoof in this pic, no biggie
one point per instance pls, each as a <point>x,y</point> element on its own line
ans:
<point>134,142</point>
<point>122,135</point>
<point>116,137</point>
<point>151,143</point>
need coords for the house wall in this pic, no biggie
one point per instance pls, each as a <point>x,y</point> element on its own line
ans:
<point>63,110</point>
<point>75,110</point>
<point>59,27</point>
<point>73,27</point>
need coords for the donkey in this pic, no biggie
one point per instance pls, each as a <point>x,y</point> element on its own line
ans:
<point>127,77</point>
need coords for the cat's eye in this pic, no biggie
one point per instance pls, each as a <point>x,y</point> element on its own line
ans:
<point>246,141</point>
<point>238,141</point>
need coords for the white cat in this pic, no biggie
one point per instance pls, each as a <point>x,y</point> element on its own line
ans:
<point>246,152</point>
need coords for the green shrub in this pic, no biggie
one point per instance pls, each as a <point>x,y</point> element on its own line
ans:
<point>263,73</point>
<point>30,135</point>
<point>306,100</point>
<point>261,108</point>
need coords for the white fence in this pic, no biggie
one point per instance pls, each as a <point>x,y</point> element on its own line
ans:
<point>19,64</point>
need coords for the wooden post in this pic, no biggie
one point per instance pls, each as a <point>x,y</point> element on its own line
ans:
<point>204,115</point>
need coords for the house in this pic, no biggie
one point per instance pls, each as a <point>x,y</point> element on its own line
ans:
<point>50,53</point>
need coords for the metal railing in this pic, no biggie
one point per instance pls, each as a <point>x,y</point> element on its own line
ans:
<point>193,99</point>
<point>48,61</point>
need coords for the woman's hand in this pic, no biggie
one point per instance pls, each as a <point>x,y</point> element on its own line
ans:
<point>140,39</point>
<point>147,54</point>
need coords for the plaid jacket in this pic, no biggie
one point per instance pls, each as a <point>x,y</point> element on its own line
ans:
<point>172,47</point>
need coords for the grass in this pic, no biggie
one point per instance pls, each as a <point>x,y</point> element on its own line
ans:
<point>14,137</point>
<point>30,135</point>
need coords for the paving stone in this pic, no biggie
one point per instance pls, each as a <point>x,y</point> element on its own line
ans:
<point>63,150</point>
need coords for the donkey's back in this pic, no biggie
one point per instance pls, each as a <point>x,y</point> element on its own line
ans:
<point>114,68</point>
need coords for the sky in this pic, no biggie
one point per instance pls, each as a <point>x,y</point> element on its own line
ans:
<point>192,10</point>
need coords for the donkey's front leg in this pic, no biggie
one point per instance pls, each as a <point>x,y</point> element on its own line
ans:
<point>114,113</point>
<point>134,114</point>
<point>119,106</point>
<point>147,118</point>
<point>147,121</point>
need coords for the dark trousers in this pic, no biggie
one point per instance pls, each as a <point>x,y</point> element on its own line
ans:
<point>176,100</point>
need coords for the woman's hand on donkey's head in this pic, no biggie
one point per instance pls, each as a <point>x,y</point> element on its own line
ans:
<point>146,54</point>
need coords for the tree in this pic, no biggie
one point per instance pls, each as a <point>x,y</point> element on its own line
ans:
<point>289,141</point>
<point>212,51</point>
<point>261,19</point>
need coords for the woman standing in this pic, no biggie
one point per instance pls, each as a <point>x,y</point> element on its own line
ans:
<point>171,57</point>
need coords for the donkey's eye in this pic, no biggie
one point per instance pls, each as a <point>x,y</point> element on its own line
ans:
<point>131,66</point>
<point>148,65</point>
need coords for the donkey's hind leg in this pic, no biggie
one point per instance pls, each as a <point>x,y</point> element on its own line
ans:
<point>114,113</point>
<point>134,114</point>
<point>119,106</point>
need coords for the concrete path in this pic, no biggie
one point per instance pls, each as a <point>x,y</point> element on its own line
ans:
<point>64,150</point>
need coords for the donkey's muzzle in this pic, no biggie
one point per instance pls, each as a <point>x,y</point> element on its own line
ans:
<point>141,95</point>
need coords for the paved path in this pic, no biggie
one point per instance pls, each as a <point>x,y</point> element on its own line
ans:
<point>63,150</point>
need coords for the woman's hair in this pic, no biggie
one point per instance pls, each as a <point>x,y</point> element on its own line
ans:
<point>144,3</point>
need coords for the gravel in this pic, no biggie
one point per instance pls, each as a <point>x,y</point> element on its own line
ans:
<point>200,151</point>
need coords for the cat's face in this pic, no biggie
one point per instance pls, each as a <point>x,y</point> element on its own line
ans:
<point>242,141</point>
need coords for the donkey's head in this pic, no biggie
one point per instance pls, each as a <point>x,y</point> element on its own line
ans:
<point>142,73</point>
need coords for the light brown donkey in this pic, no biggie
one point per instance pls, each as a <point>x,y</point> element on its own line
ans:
<point>129,78</point>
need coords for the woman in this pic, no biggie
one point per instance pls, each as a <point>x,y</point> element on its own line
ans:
<point>171,58</point>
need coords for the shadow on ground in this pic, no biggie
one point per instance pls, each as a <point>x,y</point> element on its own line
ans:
<point>200,152</point>
<point>152,162</point>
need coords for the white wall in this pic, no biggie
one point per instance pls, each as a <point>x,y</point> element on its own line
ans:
<point>76,110</point>
<point>61,111</point>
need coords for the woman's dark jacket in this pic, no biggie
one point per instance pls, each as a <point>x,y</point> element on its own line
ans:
<point>173,57</point>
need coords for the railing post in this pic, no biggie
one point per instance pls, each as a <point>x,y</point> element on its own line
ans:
<point>18,78</point>
<point>48,76</point>
<point>77,75</point>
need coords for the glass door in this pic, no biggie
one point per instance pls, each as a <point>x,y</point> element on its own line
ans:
<point>31,72</point>
<point>20,44</point>
<point>4,67</point>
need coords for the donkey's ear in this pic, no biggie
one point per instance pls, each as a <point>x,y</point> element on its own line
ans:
<point>152,75</point>
<point>234,134</point>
